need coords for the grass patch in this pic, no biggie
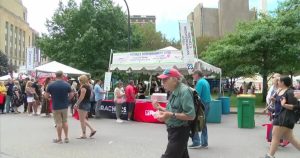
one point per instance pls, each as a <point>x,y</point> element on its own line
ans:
<point>233,100</point>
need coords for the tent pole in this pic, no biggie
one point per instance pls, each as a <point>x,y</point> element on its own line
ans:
<point>220,90</point>
<point>110,56</point>
<point>150,79</point>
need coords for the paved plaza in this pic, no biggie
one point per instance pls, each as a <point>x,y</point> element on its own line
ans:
<point>24,136</point>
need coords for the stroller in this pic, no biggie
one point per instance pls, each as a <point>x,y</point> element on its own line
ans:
<point>269,126</point>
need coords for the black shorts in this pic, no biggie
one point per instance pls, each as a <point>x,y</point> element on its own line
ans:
<point>283,123</point>
<point>130,106</point>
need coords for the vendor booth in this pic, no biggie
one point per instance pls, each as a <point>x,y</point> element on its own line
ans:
<point>54,66</point>
<point>48,70</point>
<point>153,63</point>
<point>6,77</point>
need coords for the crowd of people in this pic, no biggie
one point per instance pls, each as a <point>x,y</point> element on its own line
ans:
<point>15,93</point>
<point>85,97</point>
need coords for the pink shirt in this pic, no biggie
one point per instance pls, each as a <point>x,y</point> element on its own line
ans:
<point>129,92</point>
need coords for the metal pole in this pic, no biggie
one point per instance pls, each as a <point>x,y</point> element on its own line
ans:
<point>129,27</point>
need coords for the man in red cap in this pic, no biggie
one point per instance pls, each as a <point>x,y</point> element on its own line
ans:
<point>179,110</point>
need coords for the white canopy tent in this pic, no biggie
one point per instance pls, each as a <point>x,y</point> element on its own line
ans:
<point>6,77</point>
<point>168,48</point>
<point>156,62</point>
<point>54,66</point>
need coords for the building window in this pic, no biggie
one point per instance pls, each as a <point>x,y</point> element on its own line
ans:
<point>6,28</point>
<point>23,36</point>
<point>11,30</point>
<point>29,41</point>
<point>24,16</point>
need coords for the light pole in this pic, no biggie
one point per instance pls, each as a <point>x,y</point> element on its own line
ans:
<point>129,27</point>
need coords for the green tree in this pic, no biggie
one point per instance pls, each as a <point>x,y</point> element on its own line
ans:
<point>82,36</point>
<point>269,44</point>
<point>3,64</point>
<point>146,38</point>
<point>203,43</point>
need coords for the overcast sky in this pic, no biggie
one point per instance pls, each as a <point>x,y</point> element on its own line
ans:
<point>167,12</point>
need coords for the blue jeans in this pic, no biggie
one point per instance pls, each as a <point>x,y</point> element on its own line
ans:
<point>7,103</point>
<point>204,135</point>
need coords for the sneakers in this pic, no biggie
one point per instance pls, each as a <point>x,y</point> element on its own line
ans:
<point>204,147</point>
<point>119,121</point>
<point>193,146</point>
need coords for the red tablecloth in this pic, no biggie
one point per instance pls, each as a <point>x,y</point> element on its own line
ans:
<point>143,112</point>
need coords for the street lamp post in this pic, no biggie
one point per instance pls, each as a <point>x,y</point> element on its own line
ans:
<point>129,27</point>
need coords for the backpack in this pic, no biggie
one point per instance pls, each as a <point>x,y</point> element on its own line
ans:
<point>198,123</point>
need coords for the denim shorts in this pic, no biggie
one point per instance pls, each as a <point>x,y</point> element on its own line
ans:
<point>85,106</point>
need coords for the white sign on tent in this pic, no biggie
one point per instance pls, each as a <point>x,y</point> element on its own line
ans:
<point>30,59</point>
<point>107,81</point>
<point>187,45</point>
<point>147,57</point>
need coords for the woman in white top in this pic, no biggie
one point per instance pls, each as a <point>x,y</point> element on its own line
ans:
<point>119,94</point>
<point>30,92</point>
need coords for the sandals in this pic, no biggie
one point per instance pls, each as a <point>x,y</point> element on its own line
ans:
<point>57,141</point>
<point>67,140</point>
<point>82,137</point>
<point>92,134</point>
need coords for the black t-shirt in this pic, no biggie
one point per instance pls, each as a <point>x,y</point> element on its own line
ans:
<point>87,96</point>
<point>36,86</point>
<point>10,89</point>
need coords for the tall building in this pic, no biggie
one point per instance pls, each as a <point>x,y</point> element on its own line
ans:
<point>217,22</point>
<point>15,33</point>
<point>264,6</point>
<point>143,19</point>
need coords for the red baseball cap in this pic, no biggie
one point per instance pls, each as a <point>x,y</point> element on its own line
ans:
<point>170,73</point>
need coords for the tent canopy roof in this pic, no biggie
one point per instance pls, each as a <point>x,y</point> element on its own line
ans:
<point>54,66</point>
<point>161,66</point>
<point>168,48</point>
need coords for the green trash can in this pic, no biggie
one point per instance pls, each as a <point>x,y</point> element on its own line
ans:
<point>246,111</point>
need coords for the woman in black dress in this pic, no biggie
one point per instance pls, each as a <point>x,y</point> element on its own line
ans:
<point>83,105</point>
<point>285,121</point>
<point>17,99</point>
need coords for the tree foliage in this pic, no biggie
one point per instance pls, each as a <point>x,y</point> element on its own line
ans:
<point>3,64</point>
<point>82,36</point>
<point>146,38</point>
<point>269,44</point>
<point>203,43</point>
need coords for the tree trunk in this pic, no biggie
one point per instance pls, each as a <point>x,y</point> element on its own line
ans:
<point>265,87</point>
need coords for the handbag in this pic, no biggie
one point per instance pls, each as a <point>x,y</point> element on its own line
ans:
<point>76,115</point>
<point>120,100</point>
